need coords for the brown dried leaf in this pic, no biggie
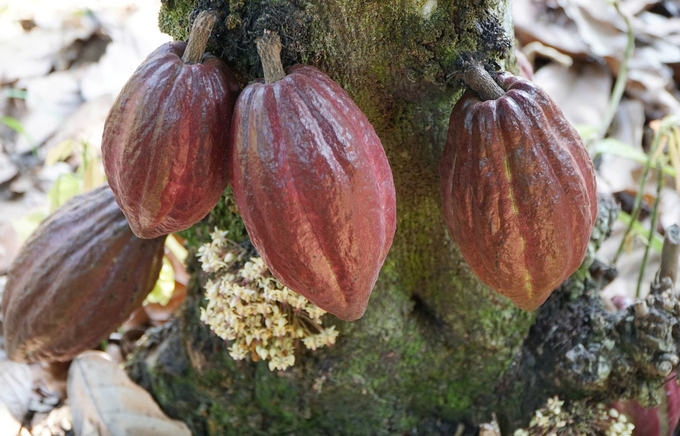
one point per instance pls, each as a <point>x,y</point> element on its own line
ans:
<point>669,207</point>
<point>7,422</point>
<point>10,243</point>
<point>629,122</point>
<point>159,314</point>
<point>50,100</point>
<point>628,266</point>
<point>7,168</point>
<point>534,23</point>
<point>616,173</point>
<point>104,401</point>
<point>599,26</point>
<point>634,7</point>
<point>16,381</point>
<point>85,125</point>
<point>660,34</point>
<point>652,82</point>
<point>581,91</point>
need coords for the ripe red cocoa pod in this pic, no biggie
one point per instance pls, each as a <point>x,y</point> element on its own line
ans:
<point>518,190</point>
<point>77,278</point>
<point>314,188</point>
<point>655,421</point>
<point>166,141</point>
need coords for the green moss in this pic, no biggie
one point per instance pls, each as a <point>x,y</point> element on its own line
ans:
<point>224,217</point>
<point>173,18</point>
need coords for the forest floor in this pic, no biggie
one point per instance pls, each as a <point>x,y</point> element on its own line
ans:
<point>64,62</point>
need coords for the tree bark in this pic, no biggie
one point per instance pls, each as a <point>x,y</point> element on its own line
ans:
<point>434,343</point>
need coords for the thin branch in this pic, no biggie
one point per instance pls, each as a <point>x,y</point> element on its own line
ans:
<point>637,204</point>
<point>479,79</point>
<point>652,228</point>
<point>622,77</point>
<point>198,39</point>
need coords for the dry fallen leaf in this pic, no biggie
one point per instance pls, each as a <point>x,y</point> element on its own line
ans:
<point>616,173</point>
<point>669,207</point>
<point>598,25</point>
<point>104,401</point>
<point>7,168</point>
<point>10,243</point>
<point>85,125</point>
<point>159,314</point>
<point>16,381</point>
<point>533,22</point>
<point>628,265</point>
<point>7,422</point>
<point>652,82</point>
<point>50,99</point>
<point>628,124</point>
<point>581,91</point>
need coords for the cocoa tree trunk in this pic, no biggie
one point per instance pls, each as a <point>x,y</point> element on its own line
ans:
<point>434,343</point>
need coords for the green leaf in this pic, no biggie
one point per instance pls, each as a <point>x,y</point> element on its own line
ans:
<point>176,248</point>
<point>621,149</point>
<point>27,225</point>
<point>66,186</point>
<point>586,132</point>
<point>641,232</point>
<point>165,285</point>
<point>15,125</point>
<point>60,152</point>
<point>16,93</point>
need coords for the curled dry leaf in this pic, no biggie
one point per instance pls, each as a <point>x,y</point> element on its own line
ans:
<point>104,401</point>
<point>652,82</point>
<point>534,23</point>
<point>598,25</point>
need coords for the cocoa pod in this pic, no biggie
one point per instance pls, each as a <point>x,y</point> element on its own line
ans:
<point>166,141</point>
<point>314,188</point>
<point>518,190</point>
<point>78,277</point>
<point>655,421</point>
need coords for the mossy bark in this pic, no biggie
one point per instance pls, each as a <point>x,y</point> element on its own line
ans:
<point>434,342</point>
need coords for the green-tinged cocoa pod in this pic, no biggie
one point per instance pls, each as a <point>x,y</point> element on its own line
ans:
<point>77,278</point>
<point>313,186</point>
<point>518,190</point>
<point>166,140</point>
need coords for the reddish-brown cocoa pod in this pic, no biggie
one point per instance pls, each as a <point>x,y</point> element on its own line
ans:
<point>518,191</point>
<point>313,186</point>
<point>77,278</point>
<point>166,140</point>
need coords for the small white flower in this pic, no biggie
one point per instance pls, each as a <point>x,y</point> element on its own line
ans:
<point>247,305</point>
<point>237,351</point>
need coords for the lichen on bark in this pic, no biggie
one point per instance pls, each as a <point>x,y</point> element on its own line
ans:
<point>434,342</point>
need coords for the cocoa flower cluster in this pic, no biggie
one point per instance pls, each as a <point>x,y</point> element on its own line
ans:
<point>248,306</point>
<point>581,418</point>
